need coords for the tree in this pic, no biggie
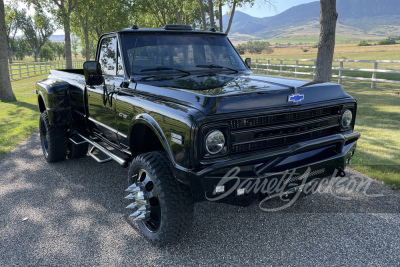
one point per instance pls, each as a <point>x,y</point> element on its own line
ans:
<point>13,19</point>
<point>20,48</point>
<point>326,45</point>
<point>211,12</point>
<point>203,15</point>
<point>62,10</point>
<point>37,31</point>
<point>6,92</point>
<point>46,53</point>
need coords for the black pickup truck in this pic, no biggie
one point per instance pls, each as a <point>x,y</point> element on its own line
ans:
<point>182,109</point>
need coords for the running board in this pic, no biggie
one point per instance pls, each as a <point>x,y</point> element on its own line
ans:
<point>111,156</point>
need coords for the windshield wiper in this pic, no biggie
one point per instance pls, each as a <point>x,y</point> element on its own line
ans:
<point>165,68</point>
<point>214,66</point>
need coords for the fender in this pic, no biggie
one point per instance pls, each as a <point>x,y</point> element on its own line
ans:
<point>55,96</point>
<point>149,121</point>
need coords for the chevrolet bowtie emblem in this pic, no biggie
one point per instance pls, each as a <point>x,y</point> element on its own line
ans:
<point>295,98</point>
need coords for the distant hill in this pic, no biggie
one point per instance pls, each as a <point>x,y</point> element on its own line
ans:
<point>358,19</point>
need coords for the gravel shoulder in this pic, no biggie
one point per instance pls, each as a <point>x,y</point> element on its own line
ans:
<point>72,213</point>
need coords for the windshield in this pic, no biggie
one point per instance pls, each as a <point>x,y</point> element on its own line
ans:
<point>183,52</point>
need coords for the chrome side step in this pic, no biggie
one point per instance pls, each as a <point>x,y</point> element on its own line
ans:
<point>96,158</point>
<point>111,156</point>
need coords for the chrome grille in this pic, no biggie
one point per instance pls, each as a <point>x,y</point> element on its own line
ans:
<point>283,117</point>
<point>284,129</point>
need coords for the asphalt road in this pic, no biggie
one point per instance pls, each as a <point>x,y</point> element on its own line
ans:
<point>72,213</point>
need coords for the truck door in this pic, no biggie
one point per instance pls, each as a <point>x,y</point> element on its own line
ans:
<point>102,99</point>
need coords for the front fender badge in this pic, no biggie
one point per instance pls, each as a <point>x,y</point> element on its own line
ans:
<point>295,98</point>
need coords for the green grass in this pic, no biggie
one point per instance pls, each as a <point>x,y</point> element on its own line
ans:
<point>378,119</point>
<point>19,119</point>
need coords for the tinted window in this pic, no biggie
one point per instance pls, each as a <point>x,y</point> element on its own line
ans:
<point>183,51</point>
<point>108,56</point>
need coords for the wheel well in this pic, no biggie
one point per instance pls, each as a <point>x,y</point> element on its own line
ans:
<point>143,140</point>
<point>42,107</point>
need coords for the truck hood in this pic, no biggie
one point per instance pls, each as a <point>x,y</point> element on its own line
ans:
<point>219,93</point>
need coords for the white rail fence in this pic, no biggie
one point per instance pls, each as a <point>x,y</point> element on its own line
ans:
<point>25,70</point>
<point>266,65</point>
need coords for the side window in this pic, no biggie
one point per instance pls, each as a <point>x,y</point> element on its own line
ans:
<point>120,66</point>
<point>108,56</point>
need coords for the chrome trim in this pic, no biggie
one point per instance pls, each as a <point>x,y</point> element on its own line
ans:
<point>107,127</point>
<point>177,138</point>
<point>77,143</point>
<point>120,161</point>
<point>96,158</point>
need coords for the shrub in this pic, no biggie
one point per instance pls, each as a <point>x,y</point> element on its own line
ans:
<point>387,41</point>
<point>315,46</point>
<point>255,47</point>
<point>46,53</point>
<point>363,43</point>
<point>241,49</point>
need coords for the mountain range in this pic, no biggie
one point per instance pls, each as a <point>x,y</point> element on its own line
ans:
<point>358,19</point>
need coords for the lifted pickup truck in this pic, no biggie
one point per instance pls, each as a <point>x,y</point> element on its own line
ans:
<point>181,109</point>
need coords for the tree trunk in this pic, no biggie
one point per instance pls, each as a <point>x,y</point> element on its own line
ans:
<point>231,17</point>
<point>86,34</point>
<point>221,28</point>
<point>186,19</point>
<point>203,15</point>
<point>68,52</point>
<point>326,46</point>
<point>6,92</point>
<point>211,12</point>
<point>178,17</point>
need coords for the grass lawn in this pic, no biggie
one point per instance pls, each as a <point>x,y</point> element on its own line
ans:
<point>378,118</point>
<point>20,118</point>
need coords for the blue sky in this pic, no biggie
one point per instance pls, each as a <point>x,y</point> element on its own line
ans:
<point>260,9</point>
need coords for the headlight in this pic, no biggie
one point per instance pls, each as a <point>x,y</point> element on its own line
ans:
<point>215,142</point>
<point>347,118</point>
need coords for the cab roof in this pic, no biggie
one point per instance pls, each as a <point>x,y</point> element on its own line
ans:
<point>169,28</point>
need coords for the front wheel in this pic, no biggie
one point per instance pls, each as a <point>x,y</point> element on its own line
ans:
<point>162,207</point>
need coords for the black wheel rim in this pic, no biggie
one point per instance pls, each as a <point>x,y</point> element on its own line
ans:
<point>154,221</point>
<point>44,140</point>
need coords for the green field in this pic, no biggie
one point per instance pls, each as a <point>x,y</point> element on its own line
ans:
<point>305,40</point>
<point>19,119</point>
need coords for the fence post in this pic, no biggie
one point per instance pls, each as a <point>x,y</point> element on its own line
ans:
<point>40,68</point>
<point>20,73</point>
<point>296,69</point>
<point>34,68</point>
<point>280,68</point>
<point>340,72</point>
<point>27,69</point>
<point>257,65</point>
<point>11,74</point>
<point>373,84</point>
<point>314,69</point>
<point>268,63</point>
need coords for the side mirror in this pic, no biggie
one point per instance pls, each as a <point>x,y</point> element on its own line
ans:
<point>92,72</point>
<point>247,61</point>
